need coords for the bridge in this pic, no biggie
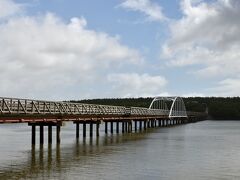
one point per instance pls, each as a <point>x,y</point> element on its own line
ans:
<point>163,111</point>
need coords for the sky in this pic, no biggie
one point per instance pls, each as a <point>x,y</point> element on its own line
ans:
<point>78,49</point>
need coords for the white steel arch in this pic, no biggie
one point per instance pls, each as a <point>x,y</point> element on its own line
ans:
<point>177,108</point>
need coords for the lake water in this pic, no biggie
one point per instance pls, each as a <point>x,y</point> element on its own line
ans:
<point>200,151</point>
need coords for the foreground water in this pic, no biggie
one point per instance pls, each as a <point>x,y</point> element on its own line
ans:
<point>204,150</point>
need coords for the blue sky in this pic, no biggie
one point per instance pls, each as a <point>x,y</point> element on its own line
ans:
<point>75,49</point>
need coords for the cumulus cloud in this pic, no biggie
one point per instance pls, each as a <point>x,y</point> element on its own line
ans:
<point>207,38</point>
<point>8,8</point>
<point>152,10</point>
<point>226,87</point>
<point>48,58</point>
<point>136,85</point>
<point>206,35</point>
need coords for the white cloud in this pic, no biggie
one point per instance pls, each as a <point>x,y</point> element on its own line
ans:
<point>152,10</point>
<point>206,35</point>
<point>47,58</point>
<point>8,8</point>
<point>227,87</point>
<point>136,85</point>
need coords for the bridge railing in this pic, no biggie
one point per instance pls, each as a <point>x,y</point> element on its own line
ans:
<point>147,111</point>
<point>28,106</point>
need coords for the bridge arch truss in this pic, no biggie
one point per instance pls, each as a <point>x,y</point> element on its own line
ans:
<point>173,107</point>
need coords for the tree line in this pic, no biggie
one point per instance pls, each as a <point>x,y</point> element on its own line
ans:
<point>217,107</point>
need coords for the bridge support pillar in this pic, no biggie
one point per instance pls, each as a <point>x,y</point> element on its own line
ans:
<point>117,127</point>
<point>152,123</point>
<point>41,134</point>
<point>97,128</point>
<point>129,126</point>
<point>84,129</point>
<point>91,129</point>
<point>135,126</point>
<point>111,127</point>
<point>77,130</point>
<point>123,127</point>
<point>49,134</point>
<point>145,125</point>
<point>58,140</point>
<point>149,123</point>
<point>126,126</point>
<point>140,125</point>
<point>106,127</point>
<point>33,134</point>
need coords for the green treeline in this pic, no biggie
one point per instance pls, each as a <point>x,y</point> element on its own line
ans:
<point>218,107</point>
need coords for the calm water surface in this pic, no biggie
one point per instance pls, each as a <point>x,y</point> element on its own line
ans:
<point>204,150</point>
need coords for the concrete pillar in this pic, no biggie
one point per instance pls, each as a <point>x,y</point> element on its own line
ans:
<point>33,134</point>
<point>130,126</point>
<point>77,130</point>
<point>117,127</point>
<point>97,129</point>
<point>149,123</point>
<point>41,134</point>
<point>58,134</point>
<point>123,126</point>
<point>145,125</point>
<point>50,134</point>
<point>106,127</point>
<point>126,126</point>
<point>140,125</point>
<point>152,123</point>
<point>111,127</point>
<point>91,129</point>
<point>84,129</point>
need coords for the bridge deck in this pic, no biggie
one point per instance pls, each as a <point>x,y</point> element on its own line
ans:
<point>14,110</point>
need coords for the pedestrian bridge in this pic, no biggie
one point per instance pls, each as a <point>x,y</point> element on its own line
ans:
<point>167,111</point>
<point>158,107</point>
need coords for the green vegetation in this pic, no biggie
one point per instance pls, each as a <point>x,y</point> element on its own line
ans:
<point>218,107</point>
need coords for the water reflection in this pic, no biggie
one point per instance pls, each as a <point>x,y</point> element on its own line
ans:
<point>46,161</point>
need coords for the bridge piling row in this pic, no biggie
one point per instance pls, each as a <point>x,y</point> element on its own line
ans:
<point>41,126</point>
<point>127,126</point>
